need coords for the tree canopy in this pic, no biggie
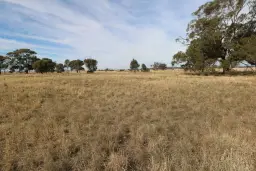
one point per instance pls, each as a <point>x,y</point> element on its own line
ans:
<point>26,59</point>
<point>76,65</point>
<point>134,65</point>
<point>159,66</point>
<point>66,63</point>
<point>144,68</point>
<point>60,68</point>
<point>91,64</point>
<point>22,59</point>
<point>44,65</point>
<point>222,32</point>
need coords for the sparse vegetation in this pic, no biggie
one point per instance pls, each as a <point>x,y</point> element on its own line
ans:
<point>125,121</point>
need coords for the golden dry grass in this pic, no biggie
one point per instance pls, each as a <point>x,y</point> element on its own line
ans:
<point>124,121</point>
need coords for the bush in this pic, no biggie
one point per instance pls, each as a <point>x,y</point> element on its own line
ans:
<point>91,64</point>
<point>144,68</point>
<point>134,65</point>
<point>76,65</point>
<point>44,65</point>
<point>59,68</point>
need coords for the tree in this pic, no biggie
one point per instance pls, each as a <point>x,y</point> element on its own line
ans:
<point>66,63</point>
<point>91,64</point>
<point>155,66</point>
<point>2,65</point>
<point>216,31</point>
<point>179,58</point>
<point>158,65</point>
<point>196,56</point>
<point>76,65</point>
<point>22,59</point>
<point>44,65</point>
<point>144,68</point>
<point>60,68</point>
<point>246,50</point>
<point>163,66</point>
<point>134,65</point>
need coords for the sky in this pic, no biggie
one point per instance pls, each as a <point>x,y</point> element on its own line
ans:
<point>111,31</point>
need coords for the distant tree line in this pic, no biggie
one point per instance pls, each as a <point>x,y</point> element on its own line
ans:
<point>222,34</point>
<point>134,66</point>
<point>25,60</point>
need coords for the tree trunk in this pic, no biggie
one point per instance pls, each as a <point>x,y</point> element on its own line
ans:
<point>224,71</point>
<point>202,70</point>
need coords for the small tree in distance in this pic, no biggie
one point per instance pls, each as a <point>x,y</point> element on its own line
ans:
<point>76,65</point>
<point>91,64</point>
<point>60,68</point>
<point>155,66</point>
<point>66,64</point>
<point>134,65</point>
<point>163,66</point>
<point>158,65</point>
<point>44,65</point>
<point>22,59</point>
<point>144,68</point>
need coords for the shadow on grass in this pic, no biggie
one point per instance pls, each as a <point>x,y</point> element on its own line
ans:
<point>230,73</point>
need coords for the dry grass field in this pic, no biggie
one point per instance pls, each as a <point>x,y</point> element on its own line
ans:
<point>125,121</point>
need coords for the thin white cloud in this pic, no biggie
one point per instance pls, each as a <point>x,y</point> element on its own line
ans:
<point>113,33</point>
<point>6,44</point>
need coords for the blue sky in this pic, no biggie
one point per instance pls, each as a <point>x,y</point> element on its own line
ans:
<point>111,31</point>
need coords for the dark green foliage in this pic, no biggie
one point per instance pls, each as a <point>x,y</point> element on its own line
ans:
<point>134,65</point>
<point>179,57</point>
<point>91,64</point>
<point>246,49</point>
<point>2,64</point>
<point>44,65</point>
<point>144,68</point>
<point>220,33</point>
<point>76,65</point>
<point>60,68</point>
<point>159,66</point>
